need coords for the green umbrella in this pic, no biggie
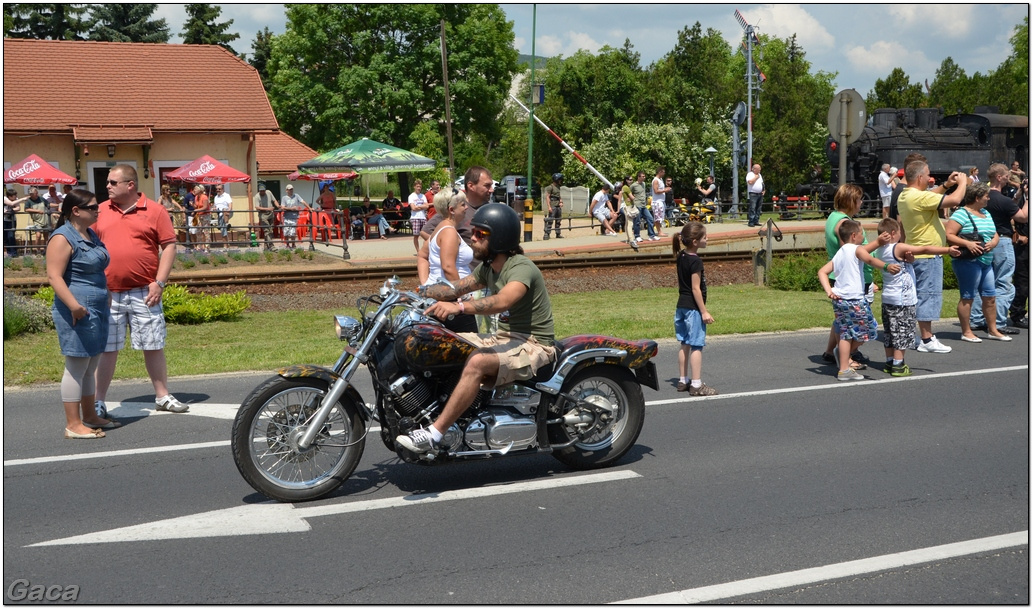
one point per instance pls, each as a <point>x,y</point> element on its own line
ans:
<point>367,156</point>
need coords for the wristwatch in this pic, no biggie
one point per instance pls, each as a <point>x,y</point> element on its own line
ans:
<point>161,284</point>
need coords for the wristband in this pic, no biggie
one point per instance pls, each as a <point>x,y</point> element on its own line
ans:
<point>161,284</point>
<point>462,308</point>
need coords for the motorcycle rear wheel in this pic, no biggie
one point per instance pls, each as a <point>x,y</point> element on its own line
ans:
<point>265,433</point>
<point>614,386</point>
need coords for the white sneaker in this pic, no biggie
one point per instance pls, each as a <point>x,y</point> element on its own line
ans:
<point>171,404</point>
<point>611,234</point>
<point>849,375</point>
<point>638,239</point>
<point>654,238</point>
<point>933,346</point>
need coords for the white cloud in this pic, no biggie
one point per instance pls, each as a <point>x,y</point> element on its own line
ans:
<point>784,20</point>
<point>882,56</point>
<point>566,44</point>
<point>953,20</point>
<point>581,41</point>
<point>548,46</point>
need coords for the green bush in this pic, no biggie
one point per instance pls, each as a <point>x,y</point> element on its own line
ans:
<point>203,259</point>
<point>237,256</point>
<point>797,272</point>
<point>23,314</point>
<point>189,263</point>
<point>182,307</point>
<point>270,257</point>
<point>218,259</point>
<point>253,257</point>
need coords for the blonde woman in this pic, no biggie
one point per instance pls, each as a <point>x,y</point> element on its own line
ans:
<point>445,255</point>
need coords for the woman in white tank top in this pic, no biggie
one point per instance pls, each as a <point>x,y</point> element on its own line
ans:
<point>445,255</point>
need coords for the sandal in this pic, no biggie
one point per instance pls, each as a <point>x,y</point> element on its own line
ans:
<point>857,365</point>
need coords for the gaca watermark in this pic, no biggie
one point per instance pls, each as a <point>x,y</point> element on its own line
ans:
<point>24,590</point>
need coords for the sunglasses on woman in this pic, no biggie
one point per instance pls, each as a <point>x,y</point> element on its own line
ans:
<point>90,207</point>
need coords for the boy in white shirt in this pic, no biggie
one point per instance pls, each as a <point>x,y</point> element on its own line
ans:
<point>854,316</point>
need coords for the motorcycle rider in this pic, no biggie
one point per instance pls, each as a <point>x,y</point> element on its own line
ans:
<point>524,342</point>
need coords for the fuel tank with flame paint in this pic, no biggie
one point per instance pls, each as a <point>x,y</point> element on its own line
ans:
<point>432,348</point>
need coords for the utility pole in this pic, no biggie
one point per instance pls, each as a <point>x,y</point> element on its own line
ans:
<point>528,207</point>
<point>754,79</point>
<point>448,107</point>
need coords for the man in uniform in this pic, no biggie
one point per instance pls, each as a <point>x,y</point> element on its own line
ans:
<point>552,203</point>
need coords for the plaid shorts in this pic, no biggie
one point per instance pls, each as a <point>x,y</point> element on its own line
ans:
<point>417,225</point>
<point>146,324</point>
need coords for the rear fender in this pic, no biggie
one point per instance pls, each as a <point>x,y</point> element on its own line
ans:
<point>577,352</point>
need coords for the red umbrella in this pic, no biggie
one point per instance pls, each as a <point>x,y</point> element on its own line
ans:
<point>207,170</point>
<point>323,177</point>
<point>34,170</point>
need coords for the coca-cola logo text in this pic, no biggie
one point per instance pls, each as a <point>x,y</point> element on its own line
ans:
<point>203,169</point>
<point>16,172</point>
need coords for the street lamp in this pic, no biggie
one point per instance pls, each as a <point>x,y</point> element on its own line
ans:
<point>710,150</point>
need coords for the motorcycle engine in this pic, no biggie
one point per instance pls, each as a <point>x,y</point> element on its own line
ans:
<point>496,428</point>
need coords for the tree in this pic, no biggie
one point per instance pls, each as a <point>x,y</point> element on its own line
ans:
<point>692,80</point>
<point>46,21</point>
<point>791,90</point>
<point>952,89</point>
<point>586,94</point>
<point>201,27</point>
<point>127,23</point>
<point>261,51</point>
<point>343,71</point>
<point>896,91</point>
<point>1008,86</point>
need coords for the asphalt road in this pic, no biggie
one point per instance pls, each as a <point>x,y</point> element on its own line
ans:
<point>789,487</point>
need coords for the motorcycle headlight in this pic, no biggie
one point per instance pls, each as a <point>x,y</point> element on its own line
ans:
<point>346,328</point>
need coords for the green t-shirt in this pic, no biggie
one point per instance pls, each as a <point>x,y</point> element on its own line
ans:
<point>638,193</point>
<point>552,195</point>
<point>533,313</point>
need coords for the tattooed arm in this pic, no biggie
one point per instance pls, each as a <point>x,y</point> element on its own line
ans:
<point>509,295</point>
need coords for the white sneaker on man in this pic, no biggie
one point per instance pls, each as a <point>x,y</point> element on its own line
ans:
<point>933,346</point>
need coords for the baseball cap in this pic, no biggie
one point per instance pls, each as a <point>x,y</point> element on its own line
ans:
<point>290,187</point>
<point>261,186</point>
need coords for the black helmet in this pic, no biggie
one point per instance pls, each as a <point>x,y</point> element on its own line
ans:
<point>502,224</point>
<point>557,177</point>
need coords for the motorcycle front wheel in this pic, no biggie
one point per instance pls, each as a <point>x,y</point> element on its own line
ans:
<point>610,438</point>
<point>265,440</point>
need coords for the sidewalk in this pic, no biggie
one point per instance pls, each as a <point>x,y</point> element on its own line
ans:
<point>729,236</point>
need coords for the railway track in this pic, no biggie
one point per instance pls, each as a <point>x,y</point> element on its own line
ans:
<point>249,277</point>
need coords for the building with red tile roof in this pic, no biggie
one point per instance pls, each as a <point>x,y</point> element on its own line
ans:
<point>86,106</point>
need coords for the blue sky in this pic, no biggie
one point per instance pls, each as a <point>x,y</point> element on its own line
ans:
<point>860,42</point>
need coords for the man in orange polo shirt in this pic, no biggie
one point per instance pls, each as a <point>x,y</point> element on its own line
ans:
<point>142,243</point>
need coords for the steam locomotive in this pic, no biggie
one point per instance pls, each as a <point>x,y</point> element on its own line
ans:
<point>952,143</point>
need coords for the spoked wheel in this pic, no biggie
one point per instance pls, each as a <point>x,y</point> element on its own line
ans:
<point>265,440</point>
<point>607,437</point>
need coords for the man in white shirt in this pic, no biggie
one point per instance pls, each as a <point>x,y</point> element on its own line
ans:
<point>658,195</point>
<point>886,188</point>
<point>755,188</point>
<point>417,213</point>
<point>602,209</point>
<point>223,205</point>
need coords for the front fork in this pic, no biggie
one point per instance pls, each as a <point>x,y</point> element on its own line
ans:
<point>338,387</point>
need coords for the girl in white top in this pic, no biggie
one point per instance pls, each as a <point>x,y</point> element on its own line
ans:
<point>445,255</point>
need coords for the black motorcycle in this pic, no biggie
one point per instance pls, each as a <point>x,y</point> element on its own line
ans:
<point>300,434</point>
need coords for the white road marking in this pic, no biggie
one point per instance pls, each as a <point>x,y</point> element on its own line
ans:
<point>267,518</point>
<point>228,411</point>
<point>708,594</point>
<point>838,385</point>
<point>146,409</point>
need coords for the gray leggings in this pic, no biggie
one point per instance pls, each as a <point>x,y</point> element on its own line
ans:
<point>80,378</point>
